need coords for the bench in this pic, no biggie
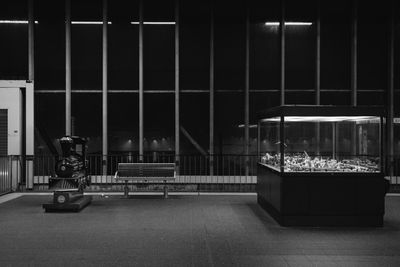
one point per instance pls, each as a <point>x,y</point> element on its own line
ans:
<point>159,172</point>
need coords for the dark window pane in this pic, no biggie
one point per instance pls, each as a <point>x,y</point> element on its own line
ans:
<point>159,57</point>
<point>373,46</point>
<point>194,46</point>
<point>229,114</point>
<point>123,122</point>
<point>159,123</point>
<point>264,56</point>
<point>335,45</point>
<point>230,44</point>
<point>123,57</point>
<point>86,57</point>
<point>49,121</point>
<point>14,51</point>
<point>50,45</point>
<point>300,97</point>
<point>86,112</point>
<point>194,119</point>
<point>335,98</point>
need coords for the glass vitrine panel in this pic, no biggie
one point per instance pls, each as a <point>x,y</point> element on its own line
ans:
<point>322,143</point>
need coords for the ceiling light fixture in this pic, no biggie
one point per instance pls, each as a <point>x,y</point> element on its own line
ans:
<point>89,22</point>
<point>16,22</point>
<point>289,23</point>
<point>155,22</point>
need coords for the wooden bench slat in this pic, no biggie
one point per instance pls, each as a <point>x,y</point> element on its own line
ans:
<point>145,171</point>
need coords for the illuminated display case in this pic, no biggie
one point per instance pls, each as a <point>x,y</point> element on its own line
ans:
<point>322,165</point>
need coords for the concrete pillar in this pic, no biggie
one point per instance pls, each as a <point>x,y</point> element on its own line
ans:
<point>67,67</point>
<point>354,78</point>
<point>31,55</point>
<point>105,87</point>
<point>246,95</point>
<point>354,39</point>
<point>29,100</point>
<point>211,148</point>
<point>177,104</point>
<point>390,95</point>
<point>318,77</point>
<point>141,81</point>
<point>29,134</point>
<point>282,52</point>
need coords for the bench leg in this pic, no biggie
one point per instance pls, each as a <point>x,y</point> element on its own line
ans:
<point>126,189</point>
<point>165,191</point>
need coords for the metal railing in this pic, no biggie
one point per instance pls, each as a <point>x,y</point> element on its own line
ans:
<point>5,175</point>
<point>196,170</point>
<point>223,166</point>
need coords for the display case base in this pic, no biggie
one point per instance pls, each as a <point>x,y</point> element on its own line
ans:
<point>322,199</point>
<point>321,220</point>
<point>73,206</point>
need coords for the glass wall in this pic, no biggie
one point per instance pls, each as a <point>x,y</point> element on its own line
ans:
<point>159,66</point>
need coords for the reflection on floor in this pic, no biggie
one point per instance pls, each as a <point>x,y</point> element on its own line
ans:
<point>184,231</point>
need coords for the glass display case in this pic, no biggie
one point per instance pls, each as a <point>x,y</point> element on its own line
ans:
<point>321,143</point>
<point>325,151</point>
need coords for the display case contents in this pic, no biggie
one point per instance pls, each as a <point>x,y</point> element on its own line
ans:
<point>302,162</point>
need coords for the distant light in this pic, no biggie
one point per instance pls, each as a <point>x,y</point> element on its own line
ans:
<point>289,23</point>
<point>250,126</point>
<point>155,22</point>
<point>89,22</point>
<point>16,22</point>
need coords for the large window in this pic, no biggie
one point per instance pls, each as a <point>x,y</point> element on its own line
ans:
<point>194,66</point>
<point>335,45</point>
<point>194,119</point>
<point>123,122</point>
<point>194,46</point>
<point>300,46</point>
<point>158,45</point>
<point>14,39</point>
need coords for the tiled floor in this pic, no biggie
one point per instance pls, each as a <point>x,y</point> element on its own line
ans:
<point>184,231</point>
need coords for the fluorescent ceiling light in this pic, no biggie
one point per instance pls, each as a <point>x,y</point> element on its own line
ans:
<point>289,23</point>
<point>16,22</point>
<point>155,22</point>
<point>89,22</point>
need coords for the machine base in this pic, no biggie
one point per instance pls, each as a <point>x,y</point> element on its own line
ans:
<point>74,206</point>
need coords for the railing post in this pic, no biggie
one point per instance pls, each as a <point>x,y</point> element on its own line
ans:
<point>68,67</point>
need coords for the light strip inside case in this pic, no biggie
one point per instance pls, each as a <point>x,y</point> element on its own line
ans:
<point>325,119</point>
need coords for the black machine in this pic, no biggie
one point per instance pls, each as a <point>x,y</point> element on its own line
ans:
<point>71,177</point>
